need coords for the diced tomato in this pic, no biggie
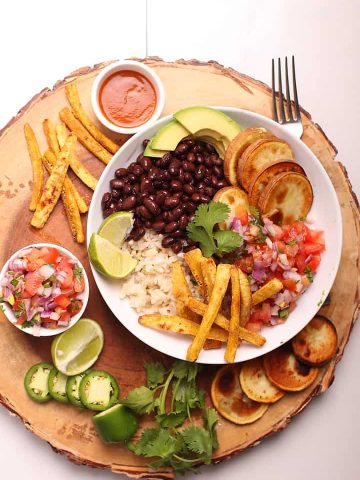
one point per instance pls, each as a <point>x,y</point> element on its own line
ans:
<point>75,306</point>
<point>261,313</point>
<point>65,317</point>
<point>35,264</point>
<point>313,248</point>
<point>242,214</point>
<point>254,326</point>
<point>69,292</point>
<point>33,282</point>
<point>20,320</point>
<point>246,264</point>
<point>49,254</point>
<point>289,284</point>
<point>281,246</point>
<point>34,301</point>
<point>62,301</point>
<point>79,284</point>
<point>314,263</point>
<point>300,261</point>
<point>64,263</point>
<point>68,281</point>
<point>278,232</point>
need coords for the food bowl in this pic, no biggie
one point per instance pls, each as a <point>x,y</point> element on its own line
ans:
<point>42,331</point>
<point>138,69</point>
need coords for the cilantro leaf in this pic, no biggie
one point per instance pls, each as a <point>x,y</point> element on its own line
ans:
<point>291,242</point>
<point>227,240</point>
<point>155,373</point>
<point>77,272</point>
<point>198,441</point>
<point>141,400</point>
<point>284,313</point>
<point>180,369</point>
<point>156,443</point>
<point>173,419</point>
<point>210,419</point>
<point>199,235</point>
<point>255,213</point>
<point>308,272</point>
<point>207,215</point>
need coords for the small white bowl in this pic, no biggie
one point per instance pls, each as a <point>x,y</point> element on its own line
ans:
<point>136,67</point>
<point>84,296</point>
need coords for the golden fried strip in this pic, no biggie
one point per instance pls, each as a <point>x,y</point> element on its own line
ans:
<point>50,135</point>
<point>212,344</point>
<point>233,340</point>
<point>82,206</point>
<point>53,186</point>
<point>266,291</point>
<point>193,260</point>
<point>38,173</point>
<point>84,136</point>
<point>76,166</point>
<point>72,95</point>
<point>181,292</point>
<point>68,199</point>
<point>176,324</point>
<point>220,320</point>
<point>245,302</point>
<point>217,295</point>
<point>208,270</point>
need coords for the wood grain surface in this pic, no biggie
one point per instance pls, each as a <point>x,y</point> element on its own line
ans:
<point>67,429</point>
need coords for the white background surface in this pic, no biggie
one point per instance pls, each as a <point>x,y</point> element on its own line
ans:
<point>43,41</point>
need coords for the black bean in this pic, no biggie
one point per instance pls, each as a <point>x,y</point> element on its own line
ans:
<point>119,206</point>
<point>188,178</point>
<point>189,207</point>
<point>115,194</point>
<point>176,213</point>
<point>145,185</point>
<point>175,185</point>
<point>106,200</point>
<point>160,197</point>
<point>108,211</point>
<point>171,227</point>
<point>171,202</point>
<point>204,198</point>
<point>117,183</point>
<point>181,175</point>
<point>146,163</point>
<point>174,169</point>
<point>189,141</point>
<point>185,198</point>
<point>176,247</point>
<point>138,170</point>
<point>158,226</point>
<point>201,186</point>
<point>137,233</point>
<point>209,191</point>
<point>218,161</point>
<point>197,149</point>
<point>144,212</point>
<point>196,197</point>
<point>189,189</point>
<point>210,148</point>
<point>145,142</point>
<point>178,234</point>
<point>166,217</point>
<point>214,181</point>
<point>188,248</point>
<point>208,162</point>
<point>139,158</point>
<point>218,172</point>
<point>190,157</point>
<point>200,172</point>
<point>182,148</point>
<point>151,206</point>
<point>222,183</point>
<point>167,241</point>
<point>131,178</point>
<point>147,224</point>
<point>183,221</point>
<point>121,172</point>
<point>165,160</point>
<point>136,189</point>
<point>129,203</point>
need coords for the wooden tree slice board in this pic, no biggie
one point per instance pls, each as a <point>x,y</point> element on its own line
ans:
<point>69,430</point>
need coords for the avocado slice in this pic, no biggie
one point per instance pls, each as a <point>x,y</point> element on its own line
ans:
<point>211,122</point>
<point>168,137</point>
<point>150,152</point>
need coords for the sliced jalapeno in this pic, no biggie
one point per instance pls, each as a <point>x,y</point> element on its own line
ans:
<point>36,382</point>
<point>98,390</point>
<point>57,385</point>
<point>73,388</point>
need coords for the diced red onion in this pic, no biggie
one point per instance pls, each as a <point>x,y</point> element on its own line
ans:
<point>274,321</point>
<point>262,264</point>
<point>63,323</point>
<point>283,258</point>
<point>26,252</point>
<point>274,310</point>
<point>46,271</point>
<point>46,314</point>
<point>40,291</point>
<point>269,243</point>
<point>56,291</point>
<point>258,275</point>
<point>54,316</point>
<point>292,275</point>
<point>51,305</point>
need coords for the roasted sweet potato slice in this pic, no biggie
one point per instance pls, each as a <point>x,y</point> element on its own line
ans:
<point>235,198</point>
<point>256,385</point>
<point>285,371</point>
<point>286,198</point>
<point>230,400</point>
<point>257,155</point>
<point>236,148</point>
<point>268,172</point>
<point>317,343</point>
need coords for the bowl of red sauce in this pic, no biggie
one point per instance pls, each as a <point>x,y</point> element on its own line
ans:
<point>127,96</point>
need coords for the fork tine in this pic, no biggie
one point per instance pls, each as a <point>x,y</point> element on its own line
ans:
<point>288,99</point>
<point>275,114</point>
<point>297,107</point>
<point>281,98</point>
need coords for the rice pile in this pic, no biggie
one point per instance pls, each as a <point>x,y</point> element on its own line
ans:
<point>149,289</point>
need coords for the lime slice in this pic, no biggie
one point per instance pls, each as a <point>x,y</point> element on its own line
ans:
<point>117,424</point>
<point>115,227</point>
<point>108,259</point>
<point>75,350</point>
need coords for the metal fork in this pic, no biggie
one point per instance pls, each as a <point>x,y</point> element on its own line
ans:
<point>291,119</point>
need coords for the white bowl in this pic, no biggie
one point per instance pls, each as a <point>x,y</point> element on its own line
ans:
<point>326,214</point>
<point>136,67</point>
<point>84,296</point>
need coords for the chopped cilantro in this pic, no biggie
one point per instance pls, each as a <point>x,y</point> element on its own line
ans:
<point>284,313</point>
<point>291,242</point>
<point>256,214</point>
<point>77,272</point>
<point>14,282</point>
<point>308,272</point>
<point>27,324</point>
<point>47,285</point>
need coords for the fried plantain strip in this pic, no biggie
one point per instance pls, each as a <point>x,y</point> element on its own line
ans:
<point>208,270</point>
<point>53,185</point>
<point>84,136</point>
<point>217,295</point>
<point>245,302</point>
<point>38,173</point>
<point>266,291</point>
<point>50,134</point>
<point>212,344</point>
<point>82,206</point>
<point>76,166</point>
<point>193,260</point>
<point>68,199</point>
<point>181,292</point>
<point>176,324</point>
<point>72,95</point>
<point>233,340</point>
<point>220,320</point>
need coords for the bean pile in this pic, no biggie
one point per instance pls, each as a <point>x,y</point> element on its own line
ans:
<point>165,192</point>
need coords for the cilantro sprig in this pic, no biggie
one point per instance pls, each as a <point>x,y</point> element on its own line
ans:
<point>201,229</point>
<point>172,395</point>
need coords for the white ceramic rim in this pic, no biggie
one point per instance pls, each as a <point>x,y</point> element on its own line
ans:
<point>46,332</point>
<point>176,345</point>
<point>148,72</point>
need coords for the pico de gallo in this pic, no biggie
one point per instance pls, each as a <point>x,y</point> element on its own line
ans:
<point>291,253</point>
<point>43,287</point>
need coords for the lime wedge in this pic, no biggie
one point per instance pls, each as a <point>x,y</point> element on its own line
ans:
<point>75,350</point>
<point>108,259</point>
<point>115,227</point>
<point>117,424</point>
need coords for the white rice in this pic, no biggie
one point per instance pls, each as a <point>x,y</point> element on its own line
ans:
<point>149,289</point>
